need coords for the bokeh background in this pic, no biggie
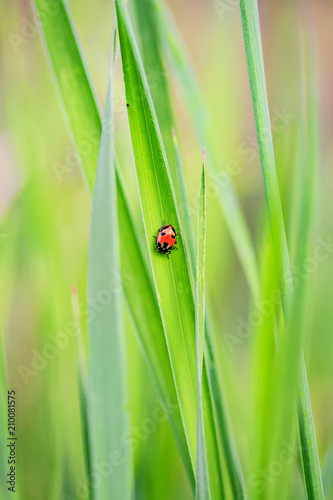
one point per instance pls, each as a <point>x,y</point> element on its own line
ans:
<point>45,215</point>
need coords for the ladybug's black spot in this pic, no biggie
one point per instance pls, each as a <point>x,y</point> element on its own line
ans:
<point>165,244</point>
<point>173,236</point>
<point>163,234</point>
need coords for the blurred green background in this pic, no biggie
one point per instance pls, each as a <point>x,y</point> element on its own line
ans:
<point>45,216</point>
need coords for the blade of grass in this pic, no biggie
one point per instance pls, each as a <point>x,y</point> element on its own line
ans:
<point>202,488</point>
<point>307,199</point>
<point>150,37</point>
<point>133,263</point>
<point>234,218</point>
<point>107,386</point>
<point>73,87</point>
<point>83,389</point>
<point>157,203</point>
<point>283,371</point>
<point>253,49</point>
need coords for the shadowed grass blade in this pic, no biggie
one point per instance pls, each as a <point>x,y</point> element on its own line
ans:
<point>202,489</point>
<point>107,386</point>
<point>253,49</point>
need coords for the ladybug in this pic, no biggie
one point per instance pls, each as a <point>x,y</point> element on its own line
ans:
<point>166,239</point>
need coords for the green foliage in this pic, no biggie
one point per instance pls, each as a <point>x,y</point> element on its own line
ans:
<point>152,400</point>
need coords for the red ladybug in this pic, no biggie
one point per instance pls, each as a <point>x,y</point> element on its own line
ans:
<point>166,239</point>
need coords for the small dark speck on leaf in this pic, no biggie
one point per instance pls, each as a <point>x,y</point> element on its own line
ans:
<point>127,105</point>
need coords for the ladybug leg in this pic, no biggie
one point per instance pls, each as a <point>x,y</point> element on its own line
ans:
<point>174,248</point>
<point>168,254</point>
<point>154,237</point>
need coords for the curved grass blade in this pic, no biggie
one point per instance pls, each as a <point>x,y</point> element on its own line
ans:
<point>150,34</point>
<point>157,202</point>
<point>133,264</point>
<point>107,387</point>
<point>73,86</point>
<point>253,49</point>
<point>229,202</point>
<point>137,283</point>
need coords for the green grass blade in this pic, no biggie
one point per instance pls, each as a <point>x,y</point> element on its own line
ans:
<point>229,202</point>
<point>82,389</point>
<point>157,203</point>
<point>222,423</point>
<point>150,37</point>
<point>307,198</point>
<point>74,87</point>
<point>202,489</point>
<point>207,453</point>
<point>152,340</point>
<point>133,264</point>
<point>107,387</point>
<point>253,49</point>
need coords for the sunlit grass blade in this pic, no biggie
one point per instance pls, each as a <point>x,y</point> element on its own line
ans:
<point>157,202</point>
<point>73,87</point>
<point>253,49</point>
<point>150,35</point>
<point>229,202</point>
<point>133,264</point>
<point>107,385</point>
